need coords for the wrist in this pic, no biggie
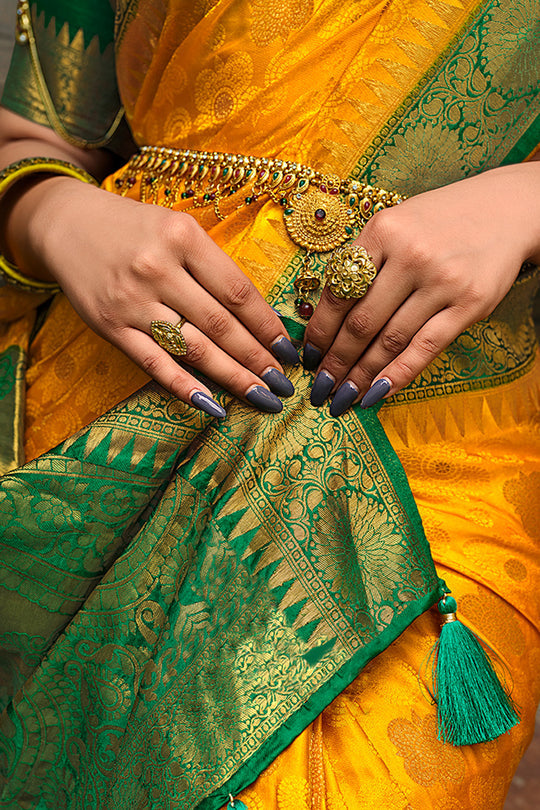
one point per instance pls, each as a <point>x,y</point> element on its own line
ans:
<point>26,191</point>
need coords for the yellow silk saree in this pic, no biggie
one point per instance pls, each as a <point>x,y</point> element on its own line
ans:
<point>192,610</point>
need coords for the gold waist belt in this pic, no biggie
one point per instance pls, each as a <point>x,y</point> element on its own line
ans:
<point>320,211</point>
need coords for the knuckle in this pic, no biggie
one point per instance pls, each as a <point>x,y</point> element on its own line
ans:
<point>146,266</point>
<point>317,335</point>
<point>196,353</point>
<point>404,370</point>
<point>175,230</point>
<point>218,324</point>
<point>253,358</point>
<point>236,381</point>
<point>238,293</point>
<point>362,376</point>
<point>334,303</point>
<point>427,345</point>
<point>150,364</point>
<point>383,225</point>
<point>335,360</point>
<point>359,324</point>
<point>394,340</point>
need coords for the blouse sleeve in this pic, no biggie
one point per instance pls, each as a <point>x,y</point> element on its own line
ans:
<point>62,72</point>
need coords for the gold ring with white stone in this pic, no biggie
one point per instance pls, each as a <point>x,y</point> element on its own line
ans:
<point>169,336</point>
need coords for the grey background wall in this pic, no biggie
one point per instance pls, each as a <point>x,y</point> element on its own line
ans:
<point>525,791</point>
<point>7,26</point>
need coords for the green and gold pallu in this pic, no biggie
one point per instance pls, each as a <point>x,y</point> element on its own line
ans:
<point>180,597</point>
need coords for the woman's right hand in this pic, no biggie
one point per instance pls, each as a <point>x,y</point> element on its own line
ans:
<point>124,264</point>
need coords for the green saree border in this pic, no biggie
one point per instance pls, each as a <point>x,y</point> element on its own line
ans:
<point>298,721</point>
<point>525,145</point>
<point>294,726</point>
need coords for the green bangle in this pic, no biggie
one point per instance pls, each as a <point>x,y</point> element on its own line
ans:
<point>12,174</point>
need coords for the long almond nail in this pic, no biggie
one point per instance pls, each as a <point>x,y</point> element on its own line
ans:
<point>321,388</point>
<point>264,399</point>
<point>376,392</point>
<point>278,382</point>
<point>207,404</point>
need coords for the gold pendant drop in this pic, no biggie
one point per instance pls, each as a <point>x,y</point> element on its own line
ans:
<point>320,211</point>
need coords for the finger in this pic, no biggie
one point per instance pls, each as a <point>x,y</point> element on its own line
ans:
<point>203,355</point>
<point>224,280</point>
<point>436,334</point>
<point>390,292</point>
<point>342,360</point>
<point>221,326</point>
<point>223,329</point>
<point>330,312</point>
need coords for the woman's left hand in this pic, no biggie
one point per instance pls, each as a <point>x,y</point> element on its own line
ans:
<point>446,258</point>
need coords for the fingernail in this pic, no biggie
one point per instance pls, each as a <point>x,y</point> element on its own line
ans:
<point>321,388</point>
<point>286,352</point>
<point>278,313</point>
<point>311,358</point>
<point>278,382</point>
<point>344,398</point>
<point>205,403</point>
<point>264,399</point>
<point>376,392</point>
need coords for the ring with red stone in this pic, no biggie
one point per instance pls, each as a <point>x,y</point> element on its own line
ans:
<point>350,272</point>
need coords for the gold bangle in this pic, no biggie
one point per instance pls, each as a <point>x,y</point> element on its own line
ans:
<point>11,175</point>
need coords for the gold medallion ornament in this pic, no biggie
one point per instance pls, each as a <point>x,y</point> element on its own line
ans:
<point>319,221</point>
<point>320,212</point>
<point>169,336</point>
<point>350,272</point>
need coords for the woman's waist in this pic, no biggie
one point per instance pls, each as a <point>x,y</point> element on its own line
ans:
<point>280,220</point>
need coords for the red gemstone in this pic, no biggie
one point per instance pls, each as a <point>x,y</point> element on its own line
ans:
<point>334,191</point>
<point>190,192</point>
<point>286,178</point>
<point>320,214</point>
<point>322,188</point>
<point>305,310</point>
<point>213,195</point>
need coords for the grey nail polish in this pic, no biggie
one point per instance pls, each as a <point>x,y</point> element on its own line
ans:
<point>376,392</point>
<point>286,352</point>
<point>311,358</point>
<point>278,383</point>
<point>205,403</point>
<point>343,399</point>
<point>264,399</point>
<point>321,388</point>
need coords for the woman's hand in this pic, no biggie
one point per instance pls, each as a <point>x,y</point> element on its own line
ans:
<point>446,258</point>
<point>124,264</point>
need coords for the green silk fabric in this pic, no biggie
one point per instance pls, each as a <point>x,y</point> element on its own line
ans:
<point>180,597</point>
<point>189,594</point>
<point>75,44</point>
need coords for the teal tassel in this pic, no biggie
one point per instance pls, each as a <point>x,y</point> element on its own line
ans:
<point>472,705</point>
<point>236,804</point>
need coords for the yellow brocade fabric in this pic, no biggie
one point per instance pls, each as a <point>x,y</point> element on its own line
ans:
<point>410,95</point>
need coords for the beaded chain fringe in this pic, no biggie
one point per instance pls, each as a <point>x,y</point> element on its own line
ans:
<point>320,211</point>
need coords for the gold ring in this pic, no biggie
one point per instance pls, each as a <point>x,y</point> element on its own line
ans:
<point>169,336</point>
<point>350,272</point>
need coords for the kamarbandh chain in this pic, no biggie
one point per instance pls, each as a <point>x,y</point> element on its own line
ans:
<point>320,211</point>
